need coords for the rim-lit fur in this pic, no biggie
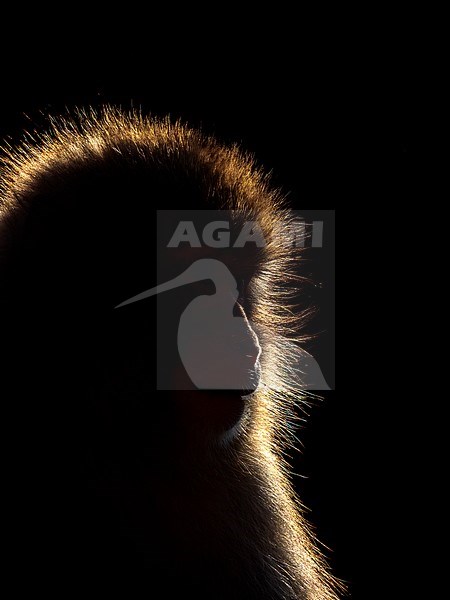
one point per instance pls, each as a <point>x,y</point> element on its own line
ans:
<point>285,561</point>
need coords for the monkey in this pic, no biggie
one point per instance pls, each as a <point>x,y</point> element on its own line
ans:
<point>131,478</point>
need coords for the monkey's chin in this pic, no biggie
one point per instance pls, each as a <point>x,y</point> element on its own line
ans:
<point>212,414</point>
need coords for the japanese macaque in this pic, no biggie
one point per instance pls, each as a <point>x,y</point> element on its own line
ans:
<point>138,473</point>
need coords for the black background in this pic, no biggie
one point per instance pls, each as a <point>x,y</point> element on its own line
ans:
<point>335,139</point>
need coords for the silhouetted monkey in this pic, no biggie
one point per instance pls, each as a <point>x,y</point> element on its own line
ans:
<point>121,486</point>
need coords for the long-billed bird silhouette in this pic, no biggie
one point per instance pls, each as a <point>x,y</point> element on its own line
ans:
<point>220,351</point>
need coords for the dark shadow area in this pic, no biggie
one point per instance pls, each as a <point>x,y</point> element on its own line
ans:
<point>325,150</point>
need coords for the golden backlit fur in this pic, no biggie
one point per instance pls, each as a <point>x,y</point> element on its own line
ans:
<point>259,516</point>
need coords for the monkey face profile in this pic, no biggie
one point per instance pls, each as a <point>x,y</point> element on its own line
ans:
<point>152,378</point>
